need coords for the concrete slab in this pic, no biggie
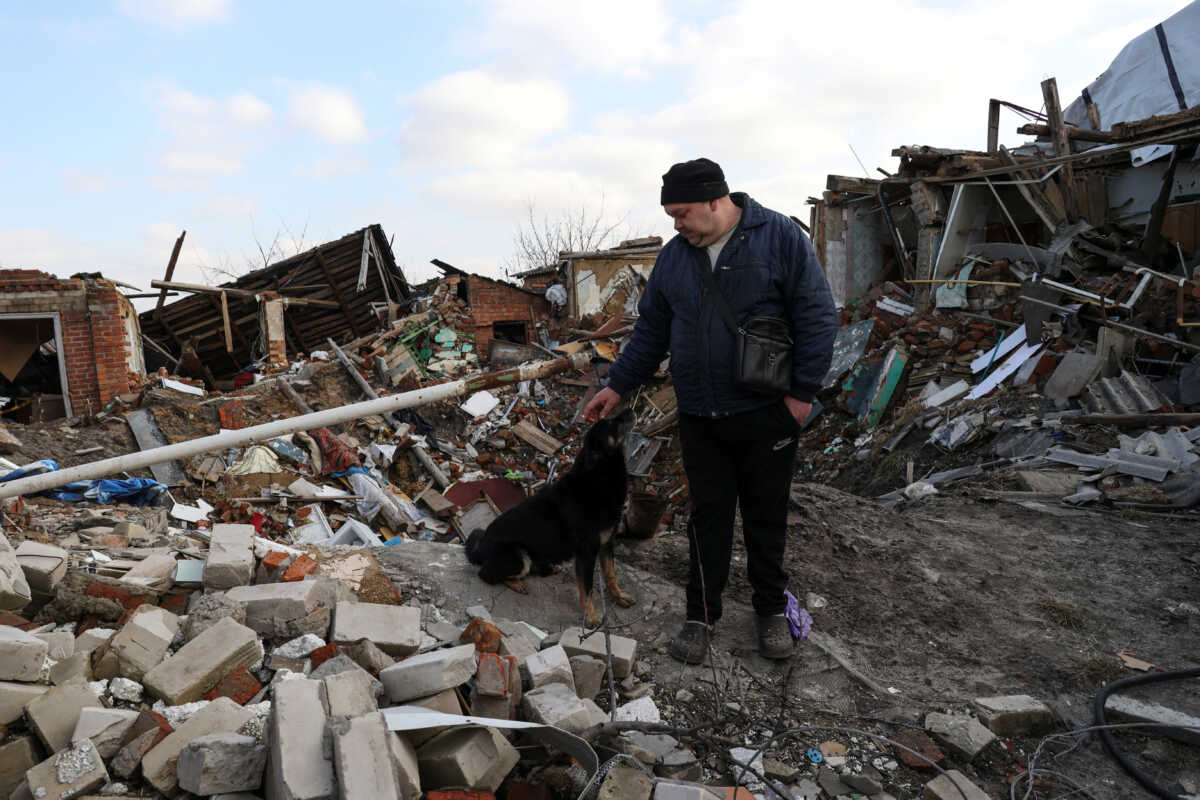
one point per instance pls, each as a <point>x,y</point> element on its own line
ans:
<point>15,696</point>
<point>221,763</point>
<point>53,715</point>
<point>284,611</point>
<point>61,644</point>
<point>1014,715</point>
<point>555,704</point>
<point>396,630</point>
<point>953,785</point>
<point>348,694</point>
<point>44,565</point>
<point>73,772</point>
<point>362,759</point>
<point>429,673</point>
<point>230,559</point>
<point>159,766</point>
<point>21,655</point>
<point>298,765</point>
<point>203,662</point>
<point>473,758</point>
<point>624,649</point>
<point>105,727</point>
<point>14,589</point>
<point>627,783</point>
<point>1185,727</point>
<point>551,665</point>
<point>16,758</point>
<point>961,734</point>
<point>140,645</point>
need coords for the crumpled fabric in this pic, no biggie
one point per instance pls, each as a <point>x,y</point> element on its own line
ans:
<point>336,455</point>
<point>799,620</point>
<point>256,459</point>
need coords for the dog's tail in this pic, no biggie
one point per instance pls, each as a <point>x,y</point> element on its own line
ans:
<point>475,546</point>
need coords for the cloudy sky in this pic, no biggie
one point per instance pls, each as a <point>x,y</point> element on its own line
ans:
<point>126,121</point>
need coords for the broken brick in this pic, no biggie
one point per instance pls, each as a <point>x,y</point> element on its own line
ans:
<point>322,654</point>
<point>304,565</point>
<point>239,686</point>
<point>274,559</point>
<point>483,634</point>
<point>923,745</point>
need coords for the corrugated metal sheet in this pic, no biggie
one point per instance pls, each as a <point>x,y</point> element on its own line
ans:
<point>327,272</point>
<point>1125,394</point>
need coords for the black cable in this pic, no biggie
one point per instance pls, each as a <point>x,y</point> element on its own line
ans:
<point>1137,774</point>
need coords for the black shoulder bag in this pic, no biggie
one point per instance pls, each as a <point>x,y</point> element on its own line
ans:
<point>762,347</point>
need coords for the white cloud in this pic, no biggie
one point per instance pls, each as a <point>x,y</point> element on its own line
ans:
<point>474,117</point>
<point>52,251</point>
<point>176,13</point>
<point>248,109</point>
<point>622,36</point>
<point>331,168</point>
<point>328,112</point>
<point>79,181</point>
<point>201,164</point>
<point>174,99</point>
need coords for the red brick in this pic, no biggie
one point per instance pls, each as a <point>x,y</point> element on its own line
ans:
<point>126,597</point>
<point>922,744</point>
<point>483,634</point>
<point>322,654</point>
<point>239,686</point>
<point>303,565</point>
<point>274,558</point>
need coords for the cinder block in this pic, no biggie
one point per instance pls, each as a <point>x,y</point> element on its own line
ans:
<point>1182,727</point>
<point>493,676</point>
<point>298,767</point>
<point>71,773</point>
<point>429,673</point>
<point>1014,715</point>
<point>14,697</point>
<point>16,758</point>
<point>961,734</point>
<point>474,758</point>
<point>230,559</point>
<point>445,702</point>
<point>953,785</point>
<point>408,767</point>
<point>14,589</point>
<point>624,649</point>
<point>146,732</point>
<point>21,655</point>
<point>53,715</point>
<point>76,669</point>
<point>588,673</point>
<point>159,766</point>
<point>284,611</point>
<point>92,638</point>
<point>61,644</point>
<point>140,645</point>
<point>44,565</point>
<point>518,647</point>
<point>396,630</point>
<point>362,759</point>
<point>221,763</point>
<point>549,666</point>
<point>349,694</point>
<point>626,783</point>
<point>555,704</point>
<point>203,662</point>
<point>105,727</point>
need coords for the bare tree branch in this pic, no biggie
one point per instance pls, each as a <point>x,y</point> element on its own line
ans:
<point>538,242</point>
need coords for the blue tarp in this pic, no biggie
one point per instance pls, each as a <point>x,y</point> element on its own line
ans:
<point>137,491</point>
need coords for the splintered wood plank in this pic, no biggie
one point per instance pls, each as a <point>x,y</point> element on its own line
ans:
<point>535,436</point>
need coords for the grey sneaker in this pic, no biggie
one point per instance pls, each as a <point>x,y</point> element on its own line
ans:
<point>774,637</point>
<point>690,645</point>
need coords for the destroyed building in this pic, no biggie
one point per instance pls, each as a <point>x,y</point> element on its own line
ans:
<point>604,282</point>
<point>500,311</point>
<point>340,290</point>
<point>70,345</point>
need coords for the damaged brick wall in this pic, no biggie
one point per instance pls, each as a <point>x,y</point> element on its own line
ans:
<point>94,319</point>
<point>494,302</point>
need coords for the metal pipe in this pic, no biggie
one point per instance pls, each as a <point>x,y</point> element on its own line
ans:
<point>319,419</point>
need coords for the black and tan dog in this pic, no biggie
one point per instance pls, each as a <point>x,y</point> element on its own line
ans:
<point>574,517</point>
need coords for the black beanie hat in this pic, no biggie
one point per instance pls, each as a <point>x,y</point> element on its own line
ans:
<point>694,182</point>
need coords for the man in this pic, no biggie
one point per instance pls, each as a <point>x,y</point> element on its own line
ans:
<point>738,446</point>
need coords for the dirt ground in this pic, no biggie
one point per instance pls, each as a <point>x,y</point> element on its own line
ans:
<point>957,597</point>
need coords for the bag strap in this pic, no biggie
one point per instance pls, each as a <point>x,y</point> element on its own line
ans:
<point>706,277</point>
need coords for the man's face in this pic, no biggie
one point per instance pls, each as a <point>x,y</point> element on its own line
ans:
<point>696,222</point>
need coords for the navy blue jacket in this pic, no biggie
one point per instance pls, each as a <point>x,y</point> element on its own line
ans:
<point>766,269</point>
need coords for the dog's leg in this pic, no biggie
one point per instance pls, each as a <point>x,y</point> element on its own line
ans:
<point>517,585</point>
<point>583,581</point>
<point>515,582</point>
<point>609,571</point>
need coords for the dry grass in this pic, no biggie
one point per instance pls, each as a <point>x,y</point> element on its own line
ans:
<point>1094,670</point>
<point>1064,615</point>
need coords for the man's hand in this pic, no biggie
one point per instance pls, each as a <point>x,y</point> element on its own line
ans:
<point>798,408</point>
<point>600,406</point>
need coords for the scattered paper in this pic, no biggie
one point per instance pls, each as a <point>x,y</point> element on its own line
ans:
<point>180,386</point>
<point>189,513</point>
<point>1001,349</point>
<point>1133,662</point>
<point>480,404</point>
<point>1011,365</point>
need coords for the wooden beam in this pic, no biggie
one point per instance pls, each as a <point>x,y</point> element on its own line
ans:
<point>337,294</point>
<point>1062,146</point>
<point>1033,193</point>
<point>993,133</point>
<point>1037,129</point>
<point>225,319</point>
<point>245,294</point>
<point>1153,234</point>
<point>297,334</point>
<point>235,330</point>
<point>171,268</point>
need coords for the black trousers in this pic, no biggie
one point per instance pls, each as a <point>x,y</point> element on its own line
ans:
<point>741,460</point>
